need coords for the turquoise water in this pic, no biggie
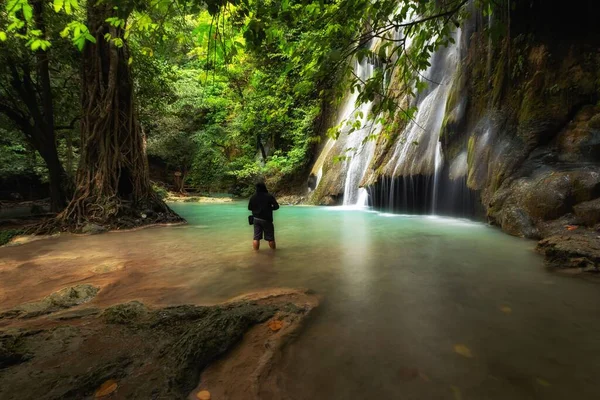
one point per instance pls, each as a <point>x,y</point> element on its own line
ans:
<point>414,307</point>
<point>401,292</point>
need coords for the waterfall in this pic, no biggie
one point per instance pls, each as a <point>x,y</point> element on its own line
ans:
<point>418,151</point>
<point>413,164</point>
<point>318,167</point>
<point>358,144</point>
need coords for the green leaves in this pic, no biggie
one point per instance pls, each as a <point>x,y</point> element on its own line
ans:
<point>421,85</point>
<point>27,11</point>
<point>15,7</point>
<point>3,36</point>
<point>79,33</point>
<point>67,5</point>
<point>58,5</point>
<point>116,22</point>
<point>254,32</point>
<point>39,44</point>
<point>23,25</point>
<point>36,41</point>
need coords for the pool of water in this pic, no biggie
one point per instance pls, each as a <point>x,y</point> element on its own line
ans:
<point>414,307</point>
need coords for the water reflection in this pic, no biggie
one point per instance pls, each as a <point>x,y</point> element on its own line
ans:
<point>400,293</point>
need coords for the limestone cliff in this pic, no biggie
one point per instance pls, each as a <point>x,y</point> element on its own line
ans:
<point>511,132</point>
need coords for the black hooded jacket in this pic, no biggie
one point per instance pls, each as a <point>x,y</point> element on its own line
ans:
<point>262,203</point>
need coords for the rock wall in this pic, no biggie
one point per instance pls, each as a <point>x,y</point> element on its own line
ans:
<point>520,131</point>
<point>530,123</point>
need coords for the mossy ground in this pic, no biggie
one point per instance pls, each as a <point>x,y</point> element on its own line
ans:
<point>151,353</point>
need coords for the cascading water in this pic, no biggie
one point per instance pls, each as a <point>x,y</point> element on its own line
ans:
<point>409,178</point>
<point>318,167</point>
<point>355,146</point>
<point>419,151</point>
<point>359,146</point>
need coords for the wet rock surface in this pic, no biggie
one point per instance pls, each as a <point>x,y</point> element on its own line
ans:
<point>546,196</point>
<point>93,229</point>
<point>588,212</point>
<point>148,353</point>
<point>579,249</point>
<point>526,138</point>
<point>60,300</point>
<point>534,147</point>
<point>291,200</point>
<point>191,198</point>
<point>554,206</point>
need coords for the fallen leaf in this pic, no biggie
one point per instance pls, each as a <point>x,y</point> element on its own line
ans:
<point>542,382</point>
<point>506,309</point>
<point>203,395</point>
<point>424,376</point>
<point>106,388</point>
<point>463,350</point>
<point>275,325</point>
<point>571,227</point>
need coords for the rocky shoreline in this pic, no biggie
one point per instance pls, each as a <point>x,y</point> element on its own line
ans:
<point>191,198</point>
<point>59,348</point>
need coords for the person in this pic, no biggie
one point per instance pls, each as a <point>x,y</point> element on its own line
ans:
<point>262,204</point>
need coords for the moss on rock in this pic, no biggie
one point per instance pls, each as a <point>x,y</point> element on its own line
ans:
<point>151,353</point>
<point>65,298</point>
<point>127,313</point>
<point>7,235</point>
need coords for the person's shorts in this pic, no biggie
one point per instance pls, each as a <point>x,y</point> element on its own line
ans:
<point>263,227</point>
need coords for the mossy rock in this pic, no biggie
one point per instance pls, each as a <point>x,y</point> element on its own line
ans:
<point>7,235</point>
<point>151,353</point>
<point>588,212</point>
<point>12,351</point>
<point>63,299</point>
<point>124,314</point>
<point>594,122</point>
<point>548,197</point>
<point>516,221</point>
<point>578,249</point>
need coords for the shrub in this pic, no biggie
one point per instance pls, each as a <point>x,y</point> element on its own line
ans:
<point>7,235</point>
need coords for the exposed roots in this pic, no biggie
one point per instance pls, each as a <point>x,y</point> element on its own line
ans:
<point>109,214</point>
<point>113,188</point>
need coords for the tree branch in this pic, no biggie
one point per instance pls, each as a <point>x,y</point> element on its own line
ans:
<point>70,126</point>
<point>19,119</point>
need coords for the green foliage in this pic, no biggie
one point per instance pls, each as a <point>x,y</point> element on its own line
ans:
<point>17,158</point>
<point>67,5</point>
<point>21,91</point>
<point>21,24</point>
<point>79,33</point>
<point>160,190</point>
<point>231,91</point>
<point>220,100</point>
<point>7,235</point>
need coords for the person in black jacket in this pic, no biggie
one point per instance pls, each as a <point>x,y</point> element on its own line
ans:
<point>262,204</point>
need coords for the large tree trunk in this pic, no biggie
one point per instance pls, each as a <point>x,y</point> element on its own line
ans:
<point>44,142</point>
<point>40,133</point>
<point>59,182</point>
<point>112,185</point>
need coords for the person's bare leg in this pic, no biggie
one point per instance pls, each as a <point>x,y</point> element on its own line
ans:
<point>272,244</point>
<point>256,244</point>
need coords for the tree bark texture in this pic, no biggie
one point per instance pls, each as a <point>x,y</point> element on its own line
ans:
<point>112,184</point>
